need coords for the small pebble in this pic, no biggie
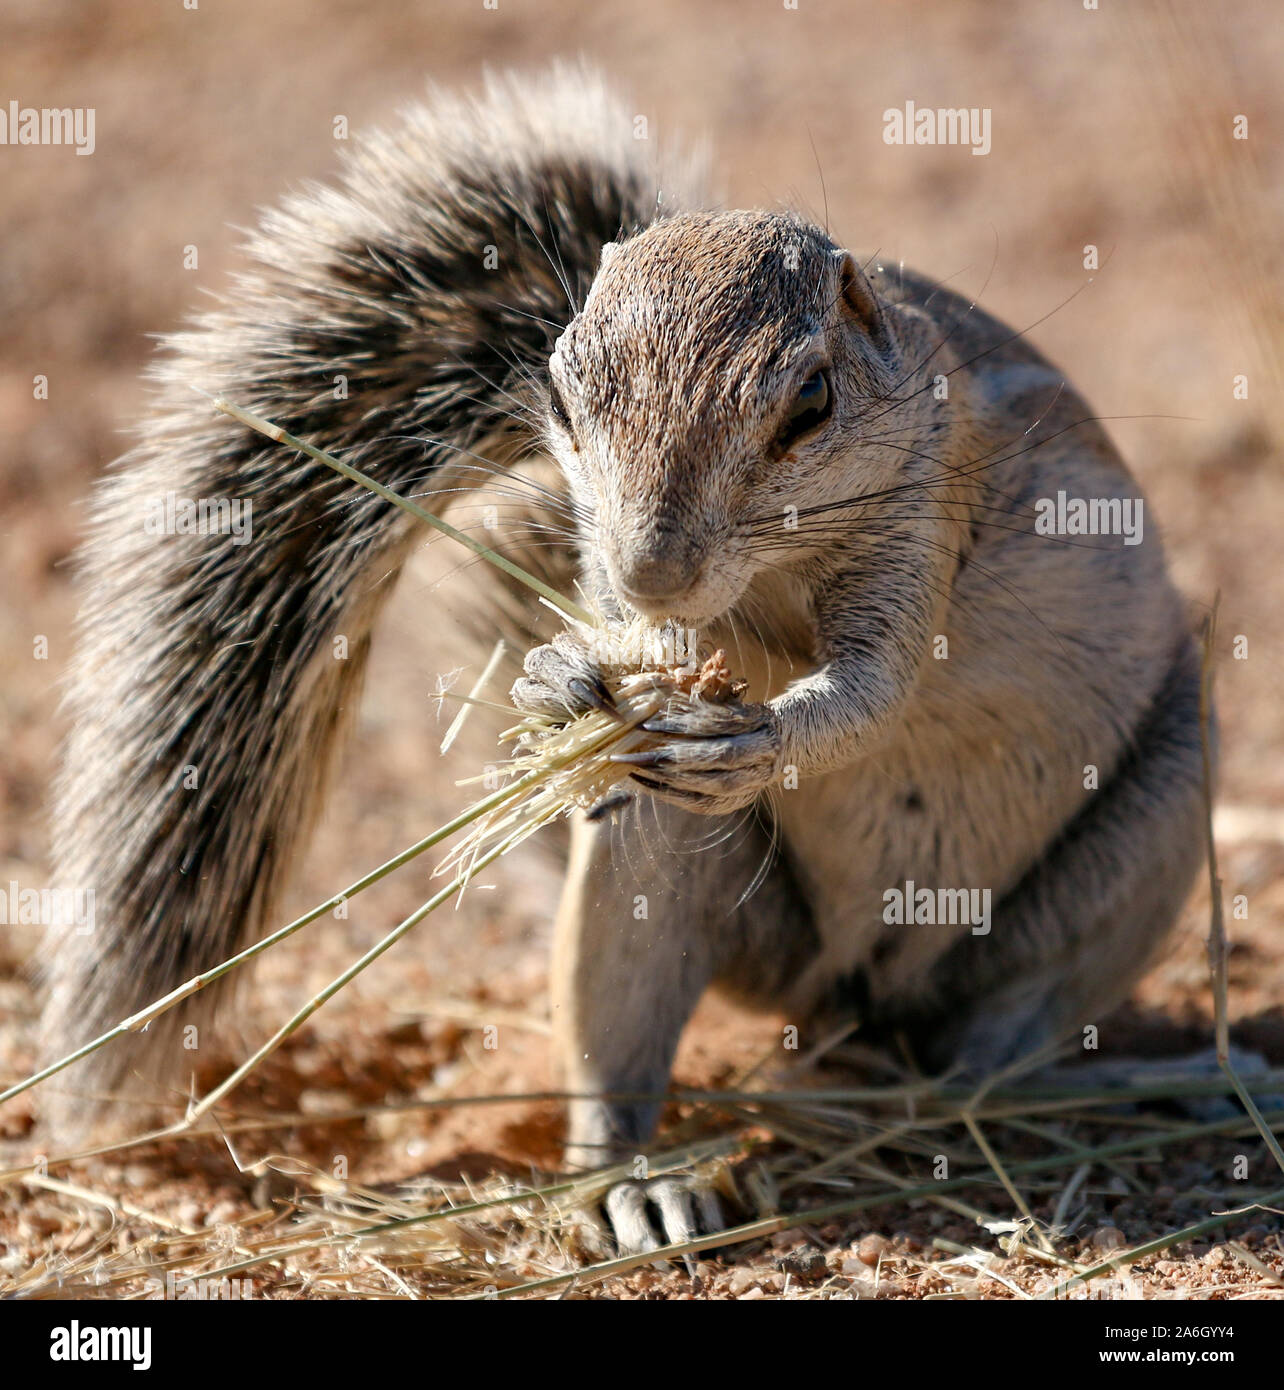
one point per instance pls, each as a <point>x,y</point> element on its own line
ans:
<point>315,1101</point>
<point>38,1223</point>
<point>188,1214</point>
<point>805,1265</point>
<point>871,1248</point>
<point>1107,1238</point>
<point>220,1214</point>
<point>405,1034</point>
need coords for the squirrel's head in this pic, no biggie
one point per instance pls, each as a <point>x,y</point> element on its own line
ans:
<point>713,385</point>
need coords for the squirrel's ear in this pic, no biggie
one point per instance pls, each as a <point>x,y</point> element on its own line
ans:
<point>859,297</point>
<point>609,248</point>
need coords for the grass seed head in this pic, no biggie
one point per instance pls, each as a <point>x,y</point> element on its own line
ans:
<point>557,768</point>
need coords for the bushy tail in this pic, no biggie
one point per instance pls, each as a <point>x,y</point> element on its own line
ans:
<point>398,319</point>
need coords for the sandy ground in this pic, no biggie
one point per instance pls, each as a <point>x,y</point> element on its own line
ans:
<point>1110,128</point>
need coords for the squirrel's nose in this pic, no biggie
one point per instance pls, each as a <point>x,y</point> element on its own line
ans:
<point>656,575</point>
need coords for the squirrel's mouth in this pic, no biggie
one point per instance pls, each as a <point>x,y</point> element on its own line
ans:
<point>704,601</point>
<point>664,611</point>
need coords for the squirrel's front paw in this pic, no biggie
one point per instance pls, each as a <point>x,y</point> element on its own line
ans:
<point>718,759</point>
<point>561,682</point>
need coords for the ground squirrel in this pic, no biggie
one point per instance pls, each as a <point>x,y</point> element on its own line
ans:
<point>837,475</point>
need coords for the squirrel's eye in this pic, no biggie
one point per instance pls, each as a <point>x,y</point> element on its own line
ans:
<point>557,407</point>
<point>811,408</point>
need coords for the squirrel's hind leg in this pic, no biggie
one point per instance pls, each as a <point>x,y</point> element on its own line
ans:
<point>1070,940</point>
<point>659,903</point>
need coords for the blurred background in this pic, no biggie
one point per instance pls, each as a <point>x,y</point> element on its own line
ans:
<point>1111,127</point>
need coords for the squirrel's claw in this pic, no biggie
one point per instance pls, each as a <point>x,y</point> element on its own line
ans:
<point>561,682</point>
<point>715,763</point>
<point>709,721</point>
<point>683,1211</point>
<point>649,757</point>
<point>595,694</point>
<point>615,800</point>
